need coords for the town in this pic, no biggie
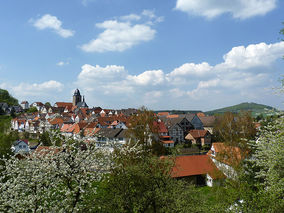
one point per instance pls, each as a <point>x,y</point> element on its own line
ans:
<point>108,127</point>
<point>131,106</point>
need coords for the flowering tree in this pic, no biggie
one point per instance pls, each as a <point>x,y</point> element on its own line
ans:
<point>53,179</point>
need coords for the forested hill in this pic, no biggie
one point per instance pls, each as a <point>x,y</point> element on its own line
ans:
<point>7,98</point>
<point>253,107</point>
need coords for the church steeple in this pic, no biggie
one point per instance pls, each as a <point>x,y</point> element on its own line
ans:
<point>77,98</point>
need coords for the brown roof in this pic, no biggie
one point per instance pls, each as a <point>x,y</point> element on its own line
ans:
<point>229,155</point>
<point>208,121</point>
<point>163,113</point>
<point>200,114</point>
<point>91,131</point>
<point>43,150</point>
<point>197,133</point>
<point>63,104</point>
<point>195,165</point>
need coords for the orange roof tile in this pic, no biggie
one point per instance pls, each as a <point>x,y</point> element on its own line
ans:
<point>197,133</point>
<point>229,155</point>
<point>63,104</point>
<point>172,116</point>
<point>195,165</point>
<point>163,113</point>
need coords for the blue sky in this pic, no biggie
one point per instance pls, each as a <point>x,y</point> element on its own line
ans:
<point>174,54</point>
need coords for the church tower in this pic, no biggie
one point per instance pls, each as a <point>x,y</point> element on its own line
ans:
<point>77,98</point>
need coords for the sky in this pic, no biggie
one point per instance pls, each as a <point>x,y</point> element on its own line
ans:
<point>162,54</point>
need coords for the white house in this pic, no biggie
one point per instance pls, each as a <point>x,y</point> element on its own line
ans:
<point>20,147</point>
<point>25,105</point>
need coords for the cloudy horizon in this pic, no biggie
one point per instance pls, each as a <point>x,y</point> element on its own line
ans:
<point>182,54</point>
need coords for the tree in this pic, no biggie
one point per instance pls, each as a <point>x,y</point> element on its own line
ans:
<point>140,182</point>
<point>45,139</point>
<point>66,174</point>
<point>142,130</point>
<point>32,110</point>
<point>235,130</point>
<point>7,98</point>
<point>47,104</point>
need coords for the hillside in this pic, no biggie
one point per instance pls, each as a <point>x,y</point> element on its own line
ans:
<point>7,98</point>
<point>253,107</point>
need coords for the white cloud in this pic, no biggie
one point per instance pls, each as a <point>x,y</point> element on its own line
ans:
<point>130,17</point>
<point>253,55</point>
<point>241,76</point>
<point>36,91</point>
<point>98,73</point>
<point>153,77</point>
<point>48,21</point>
<point>122,35</point>
<point>192,69</point>
<point>241,9</point>
<point>62,63</point>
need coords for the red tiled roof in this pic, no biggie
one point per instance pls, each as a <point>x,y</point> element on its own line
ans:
<point>91,131</point>
<point>172,116</point>
<point>160,125</point>
<point>200,114</point>
<point>64,104</point>
<point>163,113</point>
<point>197,133</point>
<point>55,121</point>
<point>43,150</point>
<point>229,155</point>
<point>195,165</point>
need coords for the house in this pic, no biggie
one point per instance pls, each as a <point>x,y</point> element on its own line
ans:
<point>37,105</point>
<point>208,122</point>
<point>177,127</point>
<point>63,104</point>
<point>194,120</point>
<point>21,147</point>
<point>163,132</point>
<point>199,137</point>
<point>107,136</point>
<point>226,158</point>
<point>197,169</point>
<point>25,105</point>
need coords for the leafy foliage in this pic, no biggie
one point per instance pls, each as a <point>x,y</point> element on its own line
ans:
<point>140,182</point>
<point>7,98</point>
<point>32,110</point>
<point>143,131</point>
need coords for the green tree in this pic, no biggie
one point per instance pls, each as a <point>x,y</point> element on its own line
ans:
<point>47,104</point>
<point>140,182</point>
<point>32,110</point>
<point>45,139</point>
<point>7,98</point>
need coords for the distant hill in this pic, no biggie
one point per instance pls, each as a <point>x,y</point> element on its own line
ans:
<point>7,98</point>
<point>256,109</point>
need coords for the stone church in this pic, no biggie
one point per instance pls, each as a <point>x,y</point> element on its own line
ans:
<point>77,100</point>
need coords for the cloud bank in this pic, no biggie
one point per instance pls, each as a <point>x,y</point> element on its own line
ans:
<point>241,9</point>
